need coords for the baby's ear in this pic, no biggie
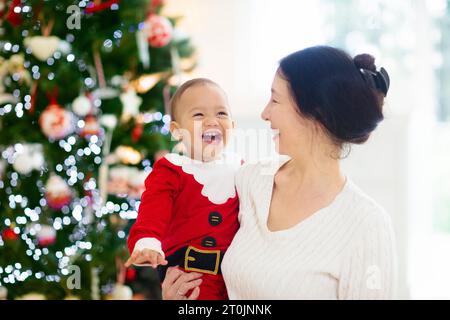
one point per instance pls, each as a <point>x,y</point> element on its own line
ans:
<point>175,130</point>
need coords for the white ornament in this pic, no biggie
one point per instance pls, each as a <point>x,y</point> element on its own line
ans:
<point>46,235</point>
<point>82,106</point>
<point>23,164</point>
<point>109,121</point>
<point>57,192</point>
<point>29,158</point>
<point>42,47</point>
<point>56,122</point>
<point>131,102</point>
<point>32,296</point>
<point>3,293</point>
<point>121,292</point>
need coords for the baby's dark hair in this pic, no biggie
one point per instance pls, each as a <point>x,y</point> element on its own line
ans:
<point>188,84</point>
<point>344,95</point>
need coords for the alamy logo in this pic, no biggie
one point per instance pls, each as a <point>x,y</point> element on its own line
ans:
<point>74,280</point>
<point>74,19</point>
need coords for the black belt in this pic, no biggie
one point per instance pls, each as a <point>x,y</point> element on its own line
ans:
<point>193,259</point>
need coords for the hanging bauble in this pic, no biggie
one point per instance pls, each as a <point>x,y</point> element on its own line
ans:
<point>91,126</point>
<point>3,293</point>
<point>159,30</point>
<point>121,292</point>
<point>8,234</point>
<point>118,180</point>
<point>136,183</point>
<point>42,47</point>
<point>82,106</point>
<point>46,235</point>
<point>131,274</point>
<point>138,129</point>
<point>128,155</point>
<point>109,121</point>
<point>29,158</point>
<point>32,296</point>
<point>131,102</point>
<point>56,122</point>
<point>14,17</point>
<point>23,163</point>
<point>57,192</point>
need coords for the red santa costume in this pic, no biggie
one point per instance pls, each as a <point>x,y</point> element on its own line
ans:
<point>189,214</point>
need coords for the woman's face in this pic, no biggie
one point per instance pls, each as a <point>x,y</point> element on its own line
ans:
<point>293,133</point>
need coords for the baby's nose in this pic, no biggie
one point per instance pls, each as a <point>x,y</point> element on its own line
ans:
<point>211,122</point>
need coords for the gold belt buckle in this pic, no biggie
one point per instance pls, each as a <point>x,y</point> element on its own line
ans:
<point>188,258</point>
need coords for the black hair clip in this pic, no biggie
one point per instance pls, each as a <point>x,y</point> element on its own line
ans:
<point>378,80</point>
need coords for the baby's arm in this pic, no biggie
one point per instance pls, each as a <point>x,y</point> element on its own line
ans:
<point>155,213</point>
<point>146,256</point>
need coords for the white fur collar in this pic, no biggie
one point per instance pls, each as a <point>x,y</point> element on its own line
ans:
<point>217,177</point>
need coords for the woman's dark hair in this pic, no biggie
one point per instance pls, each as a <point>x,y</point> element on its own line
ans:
<point>345,95</point>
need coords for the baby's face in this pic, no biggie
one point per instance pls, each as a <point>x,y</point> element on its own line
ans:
<point>203,121</point>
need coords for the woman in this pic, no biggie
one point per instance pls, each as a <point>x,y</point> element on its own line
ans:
<point>306,230</point>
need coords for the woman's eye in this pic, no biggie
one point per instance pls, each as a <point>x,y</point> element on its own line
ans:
<point>274,101</point>
<point>222,113</point>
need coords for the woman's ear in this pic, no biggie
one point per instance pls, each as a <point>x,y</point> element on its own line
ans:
<point>175,130</point>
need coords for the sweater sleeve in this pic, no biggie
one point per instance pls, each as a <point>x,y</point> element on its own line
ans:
<point>369,272</point>
<point>155,210</point>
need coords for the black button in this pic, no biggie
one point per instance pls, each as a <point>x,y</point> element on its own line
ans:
<point>209,242</point>
<point>215,218</point>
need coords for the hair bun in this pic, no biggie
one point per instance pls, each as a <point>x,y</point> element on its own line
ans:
<point>365,61</point>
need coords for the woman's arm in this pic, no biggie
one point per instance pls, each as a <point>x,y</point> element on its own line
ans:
<point>178,283</point>
<point>369,271</point>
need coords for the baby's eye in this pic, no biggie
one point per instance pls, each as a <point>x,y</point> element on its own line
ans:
<point>198,114</point>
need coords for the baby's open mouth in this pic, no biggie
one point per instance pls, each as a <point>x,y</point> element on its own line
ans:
<point>212,136</point>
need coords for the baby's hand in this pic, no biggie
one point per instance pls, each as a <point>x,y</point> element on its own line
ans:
<point>152,257</point>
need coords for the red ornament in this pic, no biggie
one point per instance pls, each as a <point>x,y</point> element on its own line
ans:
<point>136,134</point>
<point>91,126</point>
<point>9,234</point>
<point>58,193</point>
<point>46,236</point>
<point>159,30</point>
<point>13,17</point>
<point>56,122</point>
<point>131,274</point>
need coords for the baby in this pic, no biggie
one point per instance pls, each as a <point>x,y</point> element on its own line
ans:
<point>189,211</point>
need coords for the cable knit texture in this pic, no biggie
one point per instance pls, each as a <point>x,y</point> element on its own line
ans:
<point>343,251</point>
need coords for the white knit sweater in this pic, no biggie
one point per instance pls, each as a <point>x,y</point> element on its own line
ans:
<point>343,251</point>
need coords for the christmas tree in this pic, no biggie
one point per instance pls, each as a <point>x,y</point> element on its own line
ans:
<point>84,91</point>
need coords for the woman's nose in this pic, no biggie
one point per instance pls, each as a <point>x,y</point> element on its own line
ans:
<point>265,114</point>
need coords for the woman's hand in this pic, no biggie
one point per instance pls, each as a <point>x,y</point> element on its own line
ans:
<point>177,283</point>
